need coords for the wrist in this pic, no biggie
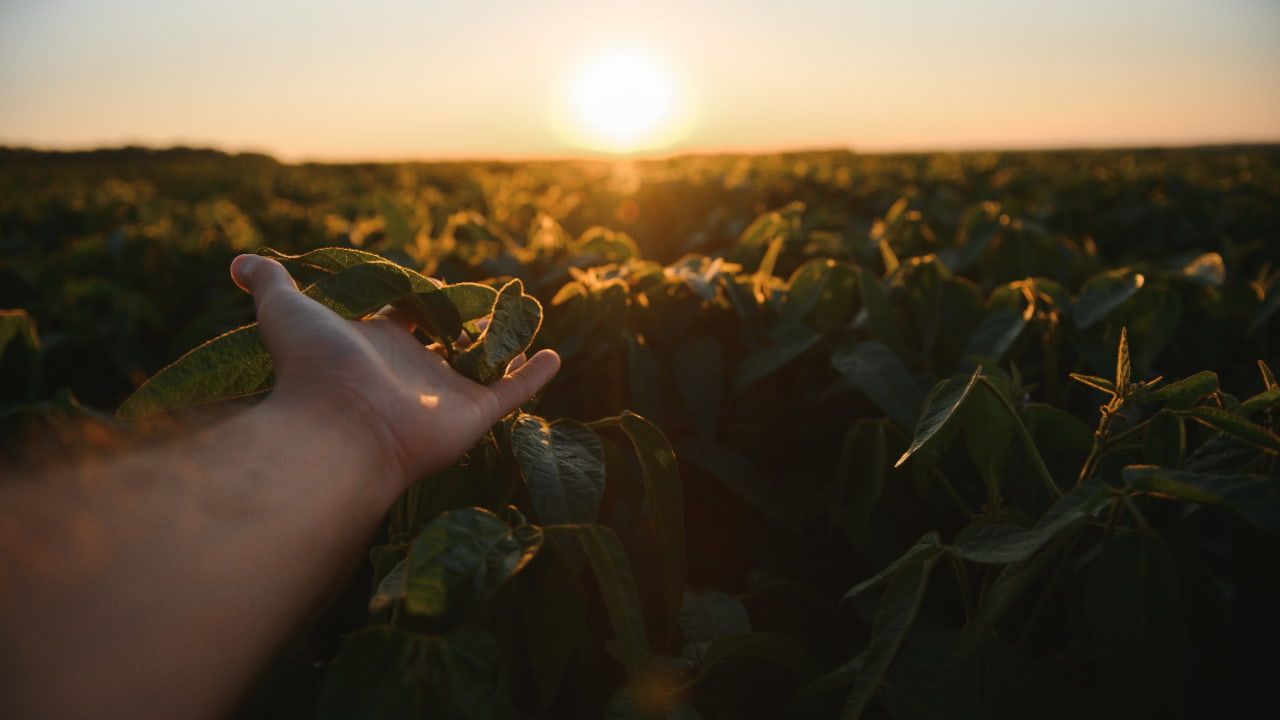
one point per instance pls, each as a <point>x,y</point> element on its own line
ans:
<point>342,435</point>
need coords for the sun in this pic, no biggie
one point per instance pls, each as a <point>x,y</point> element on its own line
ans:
<point>623,101</point>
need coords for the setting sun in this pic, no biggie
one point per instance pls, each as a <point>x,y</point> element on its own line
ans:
<point>623,101</point>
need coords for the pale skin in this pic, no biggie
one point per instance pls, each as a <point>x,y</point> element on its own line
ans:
<point>155,583</point>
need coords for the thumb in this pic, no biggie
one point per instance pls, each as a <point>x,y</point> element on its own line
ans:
<point>519,385</point>
<point>276,299</point>
<point>261,277</point>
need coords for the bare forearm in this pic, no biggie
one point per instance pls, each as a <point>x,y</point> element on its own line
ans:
<point>160,580</point>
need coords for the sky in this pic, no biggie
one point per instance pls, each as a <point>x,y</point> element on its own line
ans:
<point>392,79</point>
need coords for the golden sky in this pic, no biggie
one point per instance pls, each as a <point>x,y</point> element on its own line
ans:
<point>386,79</point>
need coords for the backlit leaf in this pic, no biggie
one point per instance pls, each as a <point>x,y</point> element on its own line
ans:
<point>942,405</point>
<point>880,374</point>
<point>461,557</point>
<point>563,467</point>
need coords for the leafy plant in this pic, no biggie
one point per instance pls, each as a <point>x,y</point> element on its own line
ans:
<point>936,436</point>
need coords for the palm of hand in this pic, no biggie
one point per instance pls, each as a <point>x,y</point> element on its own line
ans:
<point>375,373</point>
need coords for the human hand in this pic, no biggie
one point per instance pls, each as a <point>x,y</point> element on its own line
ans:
<point>398,398</point>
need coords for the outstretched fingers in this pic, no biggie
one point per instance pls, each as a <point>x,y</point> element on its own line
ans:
<point>521,383</point>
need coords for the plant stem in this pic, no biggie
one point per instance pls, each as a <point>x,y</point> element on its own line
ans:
<point>1028,443</point>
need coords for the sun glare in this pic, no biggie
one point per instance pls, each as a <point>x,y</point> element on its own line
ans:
<point>624,101</point>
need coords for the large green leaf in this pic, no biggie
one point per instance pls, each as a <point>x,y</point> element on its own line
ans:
<point>894,617</point>
<point>617,585</point>
<point>988,435</point>
<point>1256,498</point>
<point>1103,293</point>
<point>1186,390</point>
<point>563,467</point>
<point>461,557</point>
<point>942,405</point>
<point>787,346</point>
<point>372,677</point>
<point>925,548</point>
<point>236,364</point>
<point>1133,610</point>
<point>329,259</point>
<point>997,332</point>
<point>664,502</point>
<point>515,322</point>
<point>1232,424</point>
<point>860,476</point>
<point>1265,400</point>
<point>1001,544</point>
<point>823,292</point>
<point>877,372</point>
<point>879,315</point>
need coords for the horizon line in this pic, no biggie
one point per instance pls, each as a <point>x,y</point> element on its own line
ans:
<point>640,156</point>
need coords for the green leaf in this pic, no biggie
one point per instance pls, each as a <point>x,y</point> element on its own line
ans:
<point>664,502</point>
<point>461,557</point>
<point>617,585</point>
<point>823,292</point>
<point>925,548</point>
<point>232,365</point>
<point>515,322</point>
<point>550,608</point>
<point>877,372</point>
<point>997,332</point>
<point>1001,544</point>
<point>1233,424</point>
<point>370,677</point>
<point>894,617</point>
<point>759,364</point>
<point>391,589</point>
<point>942,405</point>
<point>384,672</point>
<point>1123,372</point>
<point>876,302</point>
<point>331,259</point>
<point>1133,609</point>
<point>1165,442</point>
<point>1256,498</point>
<point>924,279</point>
<point>1186,390</point>
<point>988,434</point>
<point>697,366</point>
<point>362,289</point>
<point>471,300</point>
<point>1003,593</point>
<point>1104,293</point>
<point>236,364</point>
<point>1095,382</point>
<point>563,467</point>
<point>860,474</point>
<point>1266,400</point>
